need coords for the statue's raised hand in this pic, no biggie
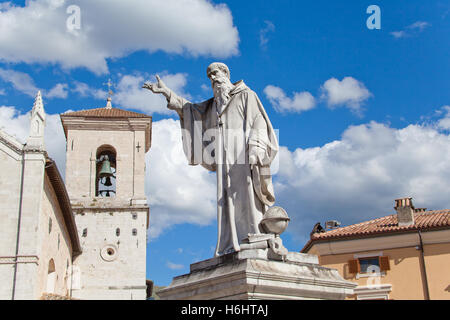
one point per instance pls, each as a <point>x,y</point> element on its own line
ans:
<point>158,87</point>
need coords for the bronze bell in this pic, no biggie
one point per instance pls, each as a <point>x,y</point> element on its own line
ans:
<point>106,172</point>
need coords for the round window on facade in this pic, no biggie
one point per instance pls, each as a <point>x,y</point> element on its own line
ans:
<point>109,252</point>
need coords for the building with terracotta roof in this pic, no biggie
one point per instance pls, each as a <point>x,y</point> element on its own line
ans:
<point>400,256</point>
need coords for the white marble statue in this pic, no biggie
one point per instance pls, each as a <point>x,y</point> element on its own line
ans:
<point>232,135</point>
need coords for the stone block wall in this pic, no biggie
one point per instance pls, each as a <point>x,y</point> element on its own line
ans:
<point>55,245</point>
<point>113,263</point>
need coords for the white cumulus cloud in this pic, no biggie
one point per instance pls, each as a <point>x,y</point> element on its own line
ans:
<point>24,83</point>
<point>84,90</point>
<point>58,91</point>
<point>37,32</point>
<point>348,92</point>
<point>130,94</point>
<point>177,193</point>
<point>358,177</point>
<point>444,123</point>
<point>301,101</point>
<point>20,81</point>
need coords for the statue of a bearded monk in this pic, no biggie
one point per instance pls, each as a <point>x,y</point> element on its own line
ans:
<point>232,135</point>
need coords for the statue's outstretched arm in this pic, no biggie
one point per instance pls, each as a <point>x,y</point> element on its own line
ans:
<point>174,102</point>
<point>159,87</point>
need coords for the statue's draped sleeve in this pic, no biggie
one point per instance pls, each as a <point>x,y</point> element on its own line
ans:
<point>262,136</point>
<point>194,120</point>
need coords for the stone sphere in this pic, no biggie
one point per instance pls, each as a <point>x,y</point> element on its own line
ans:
<point>275,220</point>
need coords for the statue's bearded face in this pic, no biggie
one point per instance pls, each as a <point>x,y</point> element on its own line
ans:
<point>221,86</point>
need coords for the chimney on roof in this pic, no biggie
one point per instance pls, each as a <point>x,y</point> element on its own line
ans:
<point>405,211</point>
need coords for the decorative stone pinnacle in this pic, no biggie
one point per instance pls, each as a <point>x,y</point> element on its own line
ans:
<point>35,139</point>
<point>38,104</point>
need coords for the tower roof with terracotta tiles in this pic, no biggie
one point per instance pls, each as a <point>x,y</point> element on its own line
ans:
<point>108,118</point>
<point>106,113</point>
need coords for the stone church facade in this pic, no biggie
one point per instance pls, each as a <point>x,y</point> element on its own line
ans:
<point>86,238</point>
<point>38,236</point>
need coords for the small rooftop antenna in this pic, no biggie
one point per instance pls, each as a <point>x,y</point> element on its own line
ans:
<point>332,224</point>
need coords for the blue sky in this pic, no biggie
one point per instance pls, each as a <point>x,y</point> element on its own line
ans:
<point>363,115</point>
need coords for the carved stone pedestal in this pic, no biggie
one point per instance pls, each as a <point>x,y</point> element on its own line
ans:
<point>250,274</point>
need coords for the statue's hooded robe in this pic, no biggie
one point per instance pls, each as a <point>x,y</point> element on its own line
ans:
<point>220,140</point>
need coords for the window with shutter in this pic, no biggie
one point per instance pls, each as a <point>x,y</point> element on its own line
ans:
<point>353,266</point>
<point>384,263</point>
<point>369,265</point>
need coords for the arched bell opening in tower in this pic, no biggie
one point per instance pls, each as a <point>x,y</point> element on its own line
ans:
<point>106,172</point>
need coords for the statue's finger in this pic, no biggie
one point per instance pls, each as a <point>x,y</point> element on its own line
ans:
<point>158,78</point>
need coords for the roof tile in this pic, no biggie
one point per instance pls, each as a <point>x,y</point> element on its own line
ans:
<point>423,220</point>
<point>106,113</point>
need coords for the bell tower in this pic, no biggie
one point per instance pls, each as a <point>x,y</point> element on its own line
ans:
<point>105,179</point>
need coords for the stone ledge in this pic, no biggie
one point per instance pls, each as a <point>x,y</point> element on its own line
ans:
<point>292,257</point>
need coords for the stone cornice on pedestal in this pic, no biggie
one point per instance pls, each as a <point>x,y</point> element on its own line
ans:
<point>234,277</point>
